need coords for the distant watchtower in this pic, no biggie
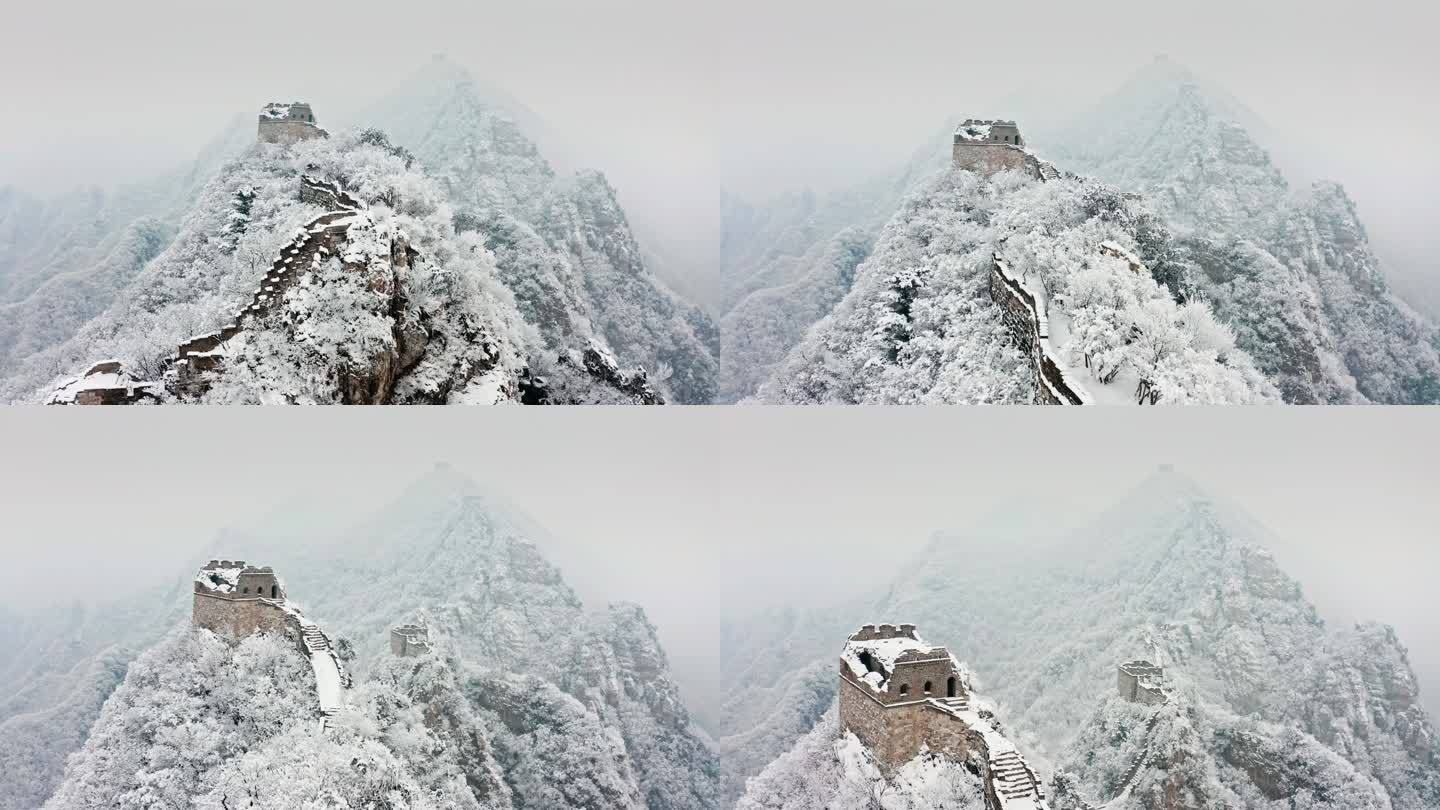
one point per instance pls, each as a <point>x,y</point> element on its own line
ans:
<point>288,124</point>
<point>988,146</point>
<point>238,600</point>
<point>976,130</point>
<point>409,640</point>
<point>1141,682</point>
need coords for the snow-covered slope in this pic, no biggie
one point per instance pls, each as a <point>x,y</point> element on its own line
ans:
<point>200,722</point>
<point>1292,271</point>
<point>431,327</point>
<point>63,260</point>
<point>332,271</point>
<point>828,768</point>
<point>1170,575</point>
<point>1291,275</point>
<point>920,324</point>
<point>524,286</point>
<point>531,700</point>
<point>567,249</point>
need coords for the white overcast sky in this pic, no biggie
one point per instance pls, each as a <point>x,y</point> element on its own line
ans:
<point>676,100</point>
<point>699,513</point>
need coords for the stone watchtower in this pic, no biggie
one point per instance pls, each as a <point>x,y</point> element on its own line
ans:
<point>894,692</point>
<point>900,696</point>
<point>409,640</point>
<point>1141,682</point>
<point>288,124</point>
<point>988,146</point>
<point>236,600</point>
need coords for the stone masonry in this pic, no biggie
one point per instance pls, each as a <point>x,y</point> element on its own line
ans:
<point>1024,313</point>
<point>886,707</point>
<point>287,124</point>
<point>901,696</point>
<point>988,147</point>
<point>236,600</point>
<point>409,641</point>
<point>1141,682</point>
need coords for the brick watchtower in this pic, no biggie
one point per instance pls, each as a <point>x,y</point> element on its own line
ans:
<point>287,124</point>
<point>987,146</point>
<point>889,679</point>
<point>236,600</point>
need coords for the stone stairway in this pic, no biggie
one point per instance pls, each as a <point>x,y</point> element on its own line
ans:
<point>952,705</point>
<point>1130,773</point>
<point>1013,778</point>
<point>315,640</point>
<point>327,717</point>
<point>306,252</point>
<point>311,246</point>
<point>1048,171</point>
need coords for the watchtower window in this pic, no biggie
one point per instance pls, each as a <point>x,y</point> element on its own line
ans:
<point>904,689</point>
<point>927,687</point>
<point>950,688</point>
<point>245,589</point>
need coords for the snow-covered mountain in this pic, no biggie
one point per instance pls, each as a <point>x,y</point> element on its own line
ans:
<point>1170,575</point>
<point>1291,270</point>
<point>563,244</point>
<point>530,700</point>
<point>450,264</point>
<point>64,260</point>
<point>1289,279</point>
<point>921,323</point>
<point>786,264</point>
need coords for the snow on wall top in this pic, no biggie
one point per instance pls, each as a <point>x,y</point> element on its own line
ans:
<point>106,375</point>
<point>973,132</point>
<point>283,111</point>
<point>223,578</point>
<point>883,647</point>
<point>988,131</point>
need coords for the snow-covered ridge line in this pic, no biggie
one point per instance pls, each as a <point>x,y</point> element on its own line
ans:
<point>303,254</point>
<point>1024,312</point>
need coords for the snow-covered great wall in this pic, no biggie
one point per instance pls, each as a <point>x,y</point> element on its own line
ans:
<point>1024,312</point>
<point>903,697</point>
<point>235,600</point>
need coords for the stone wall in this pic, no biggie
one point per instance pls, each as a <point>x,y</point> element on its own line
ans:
<point>409,641</point>
<point>262,582</point>
<point>992,158</point>
<point>896,733</point>
<point>1141,682</point>
<point>871,632</point>
<point>937,670</point>
<point>237,618</point>
<point>286,132</point>
<point>1025,315</point>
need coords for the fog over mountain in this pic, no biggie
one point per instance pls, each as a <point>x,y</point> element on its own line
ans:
<point>700,518</point>
<point>676,102</point>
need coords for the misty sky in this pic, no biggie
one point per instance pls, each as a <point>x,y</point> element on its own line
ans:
<point>676,100</point>
<point>702,513</point>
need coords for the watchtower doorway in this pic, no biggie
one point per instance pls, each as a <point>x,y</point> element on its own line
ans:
<point>950,687</point>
